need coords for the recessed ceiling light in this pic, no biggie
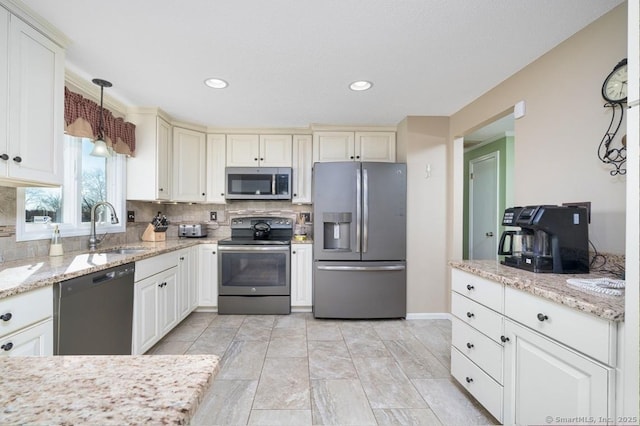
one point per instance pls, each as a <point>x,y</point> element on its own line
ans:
<point>216,83</point>
<point>360,85</point>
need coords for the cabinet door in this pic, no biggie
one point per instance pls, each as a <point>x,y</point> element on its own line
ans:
<point>163,166</point>
<point>275,150</point>
<point>36,102</point>
<point>192,265</point>
<point>375,146</point>
<point>168,301</point>
<point>145,314</point>
<point>184,278</point>
<point>333,146</point>
<point>36,340</point>
<point>302,165</point>
<point>4,88</point>
<point>216,152</point>
<point>243,150</point>
<point>301,275</point>
<point>208,278</point>
<point>189,165</point>
<point>544,379</point>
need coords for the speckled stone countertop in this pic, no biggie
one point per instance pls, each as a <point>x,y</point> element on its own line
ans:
<point>29,274</point>
<point>553,287</point>
<point>104,390</point>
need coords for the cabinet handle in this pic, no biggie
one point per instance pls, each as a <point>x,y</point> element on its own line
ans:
<point>469,345</point>
<point>162,285</point>
<point>7,346</point>
<point>542,317</point>
<point>5,157</point>
<point>470,315</point>
<point>469,379</point>
<point>470,287</point>
<point>504,339</point>
<point>181,258</point>
<point>6,317</point>
<point>17,159</point>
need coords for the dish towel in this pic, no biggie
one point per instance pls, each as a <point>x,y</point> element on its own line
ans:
<point>608,286</point>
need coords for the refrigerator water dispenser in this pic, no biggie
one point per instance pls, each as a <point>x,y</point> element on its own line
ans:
<point>337,229</point>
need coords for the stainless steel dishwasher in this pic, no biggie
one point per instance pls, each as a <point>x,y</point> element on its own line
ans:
<point>93,314</point>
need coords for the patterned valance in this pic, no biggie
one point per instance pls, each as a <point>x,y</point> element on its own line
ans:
<point>82,119</point>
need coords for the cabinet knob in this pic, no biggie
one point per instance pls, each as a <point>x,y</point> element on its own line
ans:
<point>160,189</point>
<point>470,287</point>
<point>261,159</point>
<point>357,157</point>
<point>293,252</point>
<point>255,159</point>
<point>203,194</point>
<point>295,195</point>
<point>351,157</point>
<point>222,194</point>
<point>213,252</point>
<point>470,315</point>
<point>7,346</point>
<point>6,317</point>
<point>5,157</point>
<point>469,379</point>
<point>542,317</point>
<point>181,258</point>
<point>17,159</point>
<point>504,339</point>
<point>469,345</point>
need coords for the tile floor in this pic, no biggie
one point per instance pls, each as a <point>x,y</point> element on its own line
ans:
<point>297,370</point>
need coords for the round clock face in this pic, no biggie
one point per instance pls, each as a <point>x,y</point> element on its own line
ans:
<point>614,88</point>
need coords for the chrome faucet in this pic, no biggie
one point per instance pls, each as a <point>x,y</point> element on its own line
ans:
<point>93,239</point>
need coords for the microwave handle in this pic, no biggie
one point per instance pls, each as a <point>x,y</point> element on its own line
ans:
<point>273,184</point>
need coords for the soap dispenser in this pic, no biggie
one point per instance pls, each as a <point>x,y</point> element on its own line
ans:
<point>56,243</point>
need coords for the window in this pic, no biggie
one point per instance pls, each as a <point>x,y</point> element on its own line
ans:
<point>87,180</point>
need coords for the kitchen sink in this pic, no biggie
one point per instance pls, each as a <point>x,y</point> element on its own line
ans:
<point>125,251</point>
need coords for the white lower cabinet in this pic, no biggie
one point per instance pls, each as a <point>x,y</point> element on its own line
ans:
<point>547,382</point>
<point>36,340</point>
<point>208,276</point>
<point>301,277</point>
<point>187,282</point>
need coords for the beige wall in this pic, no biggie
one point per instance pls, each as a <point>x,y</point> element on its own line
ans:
<point>422,141</point>
<point>556,141</point>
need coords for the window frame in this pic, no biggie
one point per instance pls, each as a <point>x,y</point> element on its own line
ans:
<point>116,172</point>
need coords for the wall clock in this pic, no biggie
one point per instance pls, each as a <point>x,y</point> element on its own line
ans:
<point>614,88</point>
<point>614,91</point>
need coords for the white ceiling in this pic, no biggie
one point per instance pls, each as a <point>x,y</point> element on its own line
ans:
<point>289,62</point>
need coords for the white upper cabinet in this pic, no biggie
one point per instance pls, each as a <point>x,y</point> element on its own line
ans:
<point>259,150</point>
<point>32,110</point>
<point>354,146</point>
<point>302,165</point>
<point>149,172</point>
<point>216,149</point>
<point>189,165</point>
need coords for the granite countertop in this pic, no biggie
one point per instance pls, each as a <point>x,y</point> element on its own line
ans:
<point>553,287</point>
<point>29,274</point>
<point>157,389</point>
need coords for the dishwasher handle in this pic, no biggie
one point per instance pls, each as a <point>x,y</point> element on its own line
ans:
<point>104,277</point>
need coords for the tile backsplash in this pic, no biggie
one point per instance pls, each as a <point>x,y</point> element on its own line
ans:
<point>144,211</point>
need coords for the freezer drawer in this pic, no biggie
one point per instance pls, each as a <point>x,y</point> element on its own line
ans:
<point>359,290</point>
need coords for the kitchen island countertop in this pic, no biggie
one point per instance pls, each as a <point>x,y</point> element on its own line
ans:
<point>104,390</point>
<point>553,287</point>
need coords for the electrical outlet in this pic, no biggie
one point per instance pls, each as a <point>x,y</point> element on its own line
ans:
<point>131,216</point>
<point>306,216</point>
<point>213,216</point>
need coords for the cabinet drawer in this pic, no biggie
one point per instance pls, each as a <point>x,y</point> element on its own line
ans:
<point>483,351</point>
<point>486,390</point>
<point>153,265</point>
<point>482,290</point>
<point>586,333</point>
<point>36,340</point>
<point>477,316</point>
<point>25,309</point>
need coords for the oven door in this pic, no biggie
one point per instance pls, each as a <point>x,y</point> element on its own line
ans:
<point>254,270</point>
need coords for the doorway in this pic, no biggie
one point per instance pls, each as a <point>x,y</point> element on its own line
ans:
<point>488,172</point>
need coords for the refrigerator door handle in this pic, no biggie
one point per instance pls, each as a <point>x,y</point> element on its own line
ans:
<point>358,208</point>
<point>365,208</point>
<point>363,268</point>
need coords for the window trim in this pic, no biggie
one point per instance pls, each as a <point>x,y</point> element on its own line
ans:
<point>116,188</point>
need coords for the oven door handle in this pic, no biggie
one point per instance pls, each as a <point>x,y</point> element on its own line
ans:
<point>254,248</point>
<point>363,268</point>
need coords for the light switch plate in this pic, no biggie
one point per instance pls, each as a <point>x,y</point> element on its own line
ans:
<point>213,216</point>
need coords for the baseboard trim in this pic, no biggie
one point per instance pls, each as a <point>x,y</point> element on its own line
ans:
<point>422,316</point>
<point>301,309</point>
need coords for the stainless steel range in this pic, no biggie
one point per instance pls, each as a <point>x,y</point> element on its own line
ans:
<point>254,266</point>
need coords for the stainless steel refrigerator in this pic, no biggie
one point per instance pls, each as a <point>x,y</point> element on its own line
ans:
<point>359,248</point>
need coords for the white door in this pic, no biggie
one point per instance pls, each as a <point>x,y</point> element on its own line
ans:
<point>483,206</point>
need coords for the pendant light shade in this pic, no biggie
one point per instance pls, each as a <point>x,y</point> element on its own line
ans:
<point>100,148</point>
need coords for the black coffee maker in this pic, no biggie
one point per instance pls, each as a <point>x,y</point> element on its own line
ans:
<point>551,239</point>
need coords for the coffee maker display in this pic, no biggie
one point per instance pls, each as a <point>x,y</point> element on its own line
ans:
<point>551,239</point>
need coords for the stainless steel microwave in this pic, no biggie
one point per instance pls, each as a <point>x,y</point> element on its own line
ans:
<point>258,183</point>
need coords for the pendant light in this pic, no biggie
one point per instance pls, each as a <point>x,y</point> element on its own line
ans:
<point>100,148</point>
